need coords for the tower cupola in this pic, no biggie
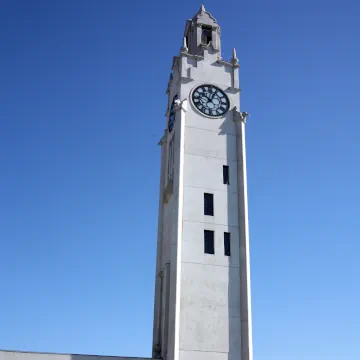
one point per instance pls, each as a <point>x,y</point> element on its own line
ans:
<point>202,31</point>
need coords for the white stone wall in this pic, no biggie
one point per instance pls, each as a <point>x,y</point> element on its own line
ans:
<point>210,284</point>
<point>209,314</point>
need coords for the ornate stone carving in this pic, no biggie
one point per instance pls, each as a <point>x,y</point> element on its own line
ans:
<point>180,105</point>
<point>243,116</point>
<point>239,116</point>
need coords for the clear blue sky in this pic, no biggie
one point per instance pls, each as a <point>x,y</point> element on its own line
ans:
<point>82,102</point>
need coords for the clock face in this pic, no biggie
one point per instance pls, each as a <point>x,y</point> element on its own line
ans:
<point>172,115</point>
<point>210,100</point>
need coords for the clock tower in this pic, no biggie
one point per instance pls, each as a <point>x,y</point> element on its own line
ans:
<point>202,294</point>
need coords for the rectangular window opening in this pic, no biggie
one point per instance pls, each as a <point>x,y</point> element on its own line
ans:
<point>208,204</point>
<point>209,242</point>
<point>206,35</point>
<point>226,177</point>
<point>227,249</point>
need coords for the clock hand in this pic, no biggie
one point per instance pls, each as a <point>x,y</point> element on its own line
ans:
<point>210,92</point>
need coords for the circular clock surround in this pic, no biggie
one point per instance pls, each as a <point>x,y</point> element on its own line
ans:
<point>172,114</point>
<point>210,100</point>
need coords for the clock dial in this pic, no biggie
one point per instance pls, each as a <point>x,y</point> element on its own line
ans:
<point>172,115</point>
<point>210,100</point>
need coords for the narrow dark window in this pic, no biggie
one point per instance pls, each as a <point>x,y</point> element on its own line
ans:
<point>206,35</point>
<point>226,177</point>
<point>209,242</point>
<point>188,41</point>
<point>227,243</point>
<point>209,204</point>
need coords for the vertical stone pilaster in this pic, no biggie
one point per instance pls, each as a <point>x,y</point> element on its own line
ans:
<point>245,291</point>
<point>158,277</point>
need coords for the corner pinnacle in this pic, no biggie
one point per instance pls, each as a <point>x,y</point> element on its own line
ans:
<point>184,48</point>
<point>234,59</point>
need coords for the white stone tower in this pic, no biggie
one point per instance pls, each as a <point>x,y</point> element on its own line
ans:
<point>202,294</point>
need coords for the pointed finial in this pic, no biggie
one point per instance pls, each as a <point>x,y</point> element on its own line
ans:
<point>202,8</point>
<point>234,59</point>
<point>184,47</point>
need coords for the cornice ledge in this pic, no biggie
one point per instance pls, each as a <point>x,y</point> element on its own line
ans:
<point>191,56</point>
<point>227,63</point>
<point>233,90</point>
<point>185,80</point>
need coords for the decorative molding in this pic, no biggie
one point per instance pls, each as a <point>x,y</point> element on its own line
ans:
<point>192,56</point>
